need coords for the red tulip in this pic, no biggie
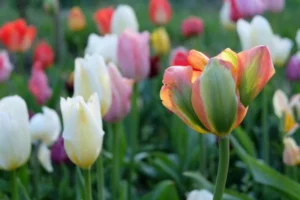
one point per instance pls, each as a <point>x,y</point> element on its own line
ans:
<point>179,56</point>
<point>103,18</point>
<point>192,26</point>
<point>17,36</point>
<point>43,53</point>
<point>160,11</point>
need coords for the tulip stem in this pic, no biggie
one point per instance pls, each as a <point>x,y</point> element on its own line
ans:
<point>100,178</point>
<point>88,185</point>
<point>202,155</point>
<point>222,167</point>
<point>265,135</point>
<point>14,186</point>
<point>115,176</point>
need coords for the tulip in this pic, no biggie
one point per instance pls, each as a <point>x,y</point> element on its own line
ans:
<point>103,17</point>
<point>51,6</point>
<point>38,84</point>
<point>17,36</point>
<point>298,39</point>
<point>200,195</point>
<point>121,92</point>
<point>160,12</point>
<point>154,66</point>
<point>14,123</point>
<point>58,153</point>
<point>76,19</point>
<point>225,16</point>
<point>293,68</point>
<point>44,157</point>
<point>179,57</point>
<point>91,76</point>
<point>133,54</point>
<point>43,53</point>
<point>283,47</point>
<point>291,153</point>
<point>192,26</point>
<point>160,41</point>
<point>6,66</point>
<point>106,46</point>
<point>195,93</point>
<point>274,5</point>
<point>83,133</point>
<point>124,18</point>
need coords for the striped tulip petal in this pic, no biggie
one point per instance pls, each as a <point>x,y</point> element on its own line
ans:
<point>197,60</point>
<point>255,70</point>
<point>176,95</point>
<point>231,57</point>
<point>214,99</point>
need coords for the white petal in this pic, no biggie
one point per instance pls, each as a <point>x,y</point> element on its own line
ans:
<point>225,16</point>
<point>200,195</point>
<point>44,156</point>
<point>243,30</point>
<point>280,103</point>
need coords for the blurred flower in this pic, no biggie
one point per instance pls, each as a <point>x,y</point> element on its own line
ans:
<point>124,18</point>
<point>103,17</point>
<point>15,145</point>
<point>293,68</point>
<point>225,16</point>
<point>160,12</point>
<point>43,53</point>
<point>298,39</point>
<point>76,19</point>
<point>91,76</point>
<point>51,6</point>
<point>274,5</point>
<point>70,84</point>
<point>5,66</point>
<point>38,84</point>
<point>291,153</point>
<point>106,46</point>
<point>282,49</point>
<point>200,195</point>
<point>17,36</point>
<point>178,57</point>
<point>121,92</point>
<point>133,54</point>
<point>154,66</point>
<point>191,26</point>
<point>160,41</point>
<point>44,157</point>
<point>195,93</point>
<point>83,133</point>
<point>58,153</point>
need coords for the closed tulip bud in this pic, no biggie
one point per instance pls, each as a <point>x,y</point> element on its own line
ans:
<point>124,18</point>
<point>160,12</point>
<point>76,19</point>
<point>51,6</point>
<point>192,26</point>
<point>282,49</point>
<point>160,41</point>
<point>6,66</point>
<point>44,157</point>
<point>45,127</point>
<point>225,18</point>
<point>15,145</point>
<point>91,76</point>
<point>103,17</point>
<point>245,8</point>
<point>83,133</point>
<point>121,92</point>
<point>133,54</point>
<point>293,68</point>
<point>200,195</point>
<point>274,5</point>
<point>58,153</point>
<point>212,95</point>
<point>43,53</point>
<point>291,153</point>
<point>105,45</point>
<point>179,56</point>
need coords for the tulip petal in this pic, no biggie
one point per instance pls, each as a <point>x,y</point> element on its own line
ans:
<point>280,103</point>
<point>44,156</point>
<point>231,57</point>
<point>197,60</point>
<point>176,95</point>
<point>290,125</point>
<point>255,70</point>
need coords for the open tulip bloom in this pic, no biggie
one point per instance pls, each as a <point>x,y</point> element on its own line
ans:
<point>213,94</point>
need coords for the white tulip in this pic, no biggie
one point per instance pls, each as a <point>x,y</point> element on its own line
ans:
<point>91,75</point>
<point>200,195</point>
<point>124,18</point>
<point>15,144</point>
<point>282,49</point>
<point>225,16</point>
<point>44,156</point>
<point>105,45</point>
<point>45,127</point>
<point>280,103</point>
<point>83,133</point>
<point>298,39</point>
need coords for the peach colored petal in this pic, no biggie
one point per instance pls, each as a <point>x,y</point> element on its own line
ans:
<point>197,60</point>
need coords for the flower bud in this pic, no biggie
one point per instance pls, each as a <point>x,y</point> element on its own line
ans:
<point>293,68</point>
<point>191,26</point>
<point>43,53</point>
<point>160,41</point>
<point>160,12</point>
<point>179,57</point>
<point>291,153</point>
<point>76,19</point>
<point>103,17</point>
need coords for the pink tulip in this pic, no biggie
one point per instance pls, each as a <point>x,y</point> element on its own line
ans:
<point>274,5</point>
<point>133,54</point>
<point>38,84</point>
<point>179,57</point>
<point>121,92</point>
<point>5,66</point>
<point>192,26</point>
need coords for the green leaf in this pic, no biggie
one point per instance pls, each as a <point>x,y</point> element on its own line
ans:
<point>245,141</point>
<point>163,191</point>
<point>265,175</point>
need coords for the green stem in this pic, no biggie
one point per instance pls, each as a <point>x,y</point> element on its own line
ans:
<point>36,171</point>
<point>202,155</point>
<point>115,176</point>
<point>21,63</point>
<point>88,184</point>
<point>133,136</point>
<point>265,135</point>
<point>100,179</point>
<point>24,191</point>
<point>14,185</point>
<point>222,167</point>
